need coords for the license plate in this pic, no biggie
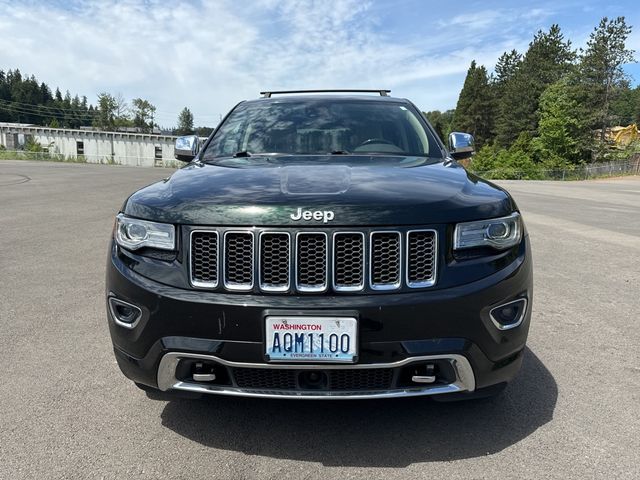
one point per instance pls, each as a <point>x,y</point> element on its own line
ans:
<point>311,339</point>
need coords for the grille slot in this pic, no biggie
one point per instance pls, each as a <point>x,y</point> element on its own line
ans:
<point>421,258</point>
<point>204,259</point>
<point>348,261</point>
<point>275,253</point>
<point>311,262</point>
<point>238,260</point>
<point>385,260</point>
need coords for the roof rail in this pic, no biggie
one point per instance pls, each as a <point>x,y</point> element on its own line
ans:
<point>383,93</point>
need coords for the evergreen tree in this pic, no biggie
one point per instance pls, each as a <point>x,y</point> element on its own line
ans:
<point>474,112</point>
<point>506,66</point>
<point>185,122</point>
<point>601,69</point>
<point>625,106</point>
<point>441,122</point>
<point>547,60</point>
<point>563,135</point>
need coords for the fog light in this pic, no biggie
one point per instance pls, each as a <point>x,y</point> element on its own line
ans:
<point>509,315</point>
<point>124,314</point>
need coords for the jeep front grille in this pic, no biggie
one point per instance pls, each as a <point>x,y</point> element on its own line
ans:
<point>307,262</point>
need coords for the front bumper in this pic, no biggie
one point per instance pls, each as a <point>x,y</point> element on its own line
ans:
<point>450,328</point>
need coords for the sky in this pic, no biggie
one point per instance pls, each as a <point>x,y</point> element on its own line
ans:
<point>210,55</point>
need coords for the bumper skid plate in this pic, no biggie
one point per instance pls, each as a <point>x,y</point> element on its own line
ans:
<point>463,379</point>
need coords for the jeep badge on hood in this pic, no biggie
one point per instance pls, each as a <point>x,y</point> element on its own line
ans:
<point>324,215</point>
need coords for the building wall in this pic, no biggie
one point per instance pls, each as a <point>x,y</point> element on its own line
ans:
<point>96,147</point>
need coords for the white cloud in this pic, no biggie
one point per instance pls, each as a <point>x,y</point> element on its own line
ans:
<point>475,20</point>
<point>210,55</point>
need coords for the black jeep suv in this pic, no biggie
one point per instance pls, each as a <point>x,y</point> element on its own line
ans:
<point>321,246</point>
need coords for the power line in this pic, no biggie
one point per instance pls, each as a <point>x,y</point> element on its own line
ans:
<point>64,113</point>
<point>45,107</point>
<point>61,114</point>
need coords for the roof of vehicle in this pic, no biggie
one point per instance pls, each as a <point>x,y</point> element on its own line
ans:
<point>327,97</point>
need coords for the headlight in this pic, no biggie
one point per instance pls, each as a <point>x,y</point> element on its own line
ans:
<point>133,234</point>
<point>500,233</point>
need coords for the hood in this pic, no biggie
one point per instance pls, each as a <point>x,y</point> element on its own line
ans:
<point>346,193</point>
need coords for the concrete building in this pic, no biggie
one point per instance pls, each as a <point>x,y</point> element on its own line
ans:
<point>138,149</point>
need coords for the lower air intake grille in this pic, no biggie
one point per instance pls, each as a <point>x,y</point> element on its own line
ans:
<point>265,378</point>
<point>365,379</point>
<point>338,379</point>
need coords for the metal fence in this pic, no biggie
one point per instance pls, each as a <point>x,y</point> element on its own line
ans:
<point>578,172</point>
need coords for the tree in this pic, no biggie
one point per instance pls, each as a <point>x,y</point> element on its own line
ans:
<point>625,107</point>
<point>105,119</point>
<point>185,122</point>
<point>204,131</point>
<point>507,66</point>
<point>601,69</point>
<point>121,111</point>
<point>563,135</point>
<point>474,111</point>
<point>548,59</point>
<point>441,122</point>
<point>143,113</point>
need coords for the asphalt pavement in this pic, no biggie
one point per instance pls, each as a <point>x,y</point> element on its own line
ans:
<point>66,411</point>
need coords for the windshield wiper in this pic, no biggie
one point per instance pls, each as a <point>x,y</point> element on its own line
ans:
<point>242,153</point>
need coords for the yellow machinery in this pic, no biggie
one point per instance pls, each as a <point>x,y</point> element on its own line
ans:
<point>625,135</point>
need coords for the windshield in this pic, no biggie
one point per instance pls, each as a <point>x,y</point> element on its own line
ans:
<point>320,127</point>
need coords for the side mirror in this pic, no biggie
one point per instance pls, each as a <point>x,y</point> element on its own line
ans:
<point>187,148</point>
<point>461,145</point>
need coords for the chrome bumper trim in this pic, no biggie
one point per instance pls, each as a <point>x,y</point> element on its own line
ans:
<point>465,379</point>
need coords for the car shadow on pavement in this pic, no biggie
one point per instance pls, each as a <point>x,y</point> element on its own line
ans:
<point>370,433</point>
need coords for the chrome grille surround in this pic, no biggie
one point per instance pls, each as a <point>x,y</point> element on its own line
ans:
<point>302,262</point>
<point>315,261</point>
<point>340,261</point>
<point>426,262</point>
<point>263,256</point>
<point>376,261</point>
<point>197,278</point>
<point>246,265</point>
